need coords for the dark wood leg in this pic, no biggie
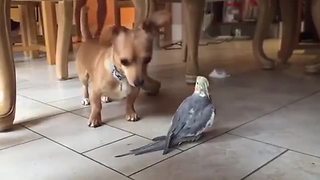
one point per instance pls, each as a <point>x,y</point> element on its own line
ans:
<point>315,10</point>
<point>193,12</point>
<point>266,12</point>
<point>290,29</point>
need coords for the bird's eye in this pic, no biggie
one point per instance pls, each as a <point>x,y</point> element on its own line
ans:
<point>125,62</point>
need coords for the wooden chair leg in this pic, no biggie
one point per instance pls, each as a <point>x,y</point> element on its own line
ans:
<point>290,31</point>
<point>7,71</point>
<point>32,29</point>
<point>23,30</point>
<point>266,12</point>
<point>117,14</point>
<point>315,6</point>
<point>193,19</point>
<point>50,30</point>
<point>63,40</point>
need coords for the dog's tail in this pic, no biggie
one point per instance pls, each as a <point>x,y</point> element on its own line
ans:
<point>84,27</point>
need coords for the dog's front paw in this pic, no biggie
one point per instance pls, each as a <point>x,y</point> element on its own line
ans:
<point>133,117</point>
<point>85,102</point>
<point>95,123</point>
<point>105,99</point>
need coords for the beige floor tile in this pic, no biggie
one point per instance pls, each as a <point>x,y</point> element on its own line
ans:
<point>70,104</point>
<point>72,131</point>
<point>128,164</point>
<point>295,127</point>
<point>42,159</point>
<point>227,157</point>
<point>28,110</point>
<point>17,135</point>
<point>290,166</point>
<point>53,92</point>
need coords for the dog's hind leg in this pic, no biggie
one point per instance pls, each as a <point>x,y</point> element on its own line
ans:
<point>85,101</point>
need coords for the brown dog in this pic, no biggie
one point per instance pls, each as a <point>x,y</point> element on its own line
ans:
<point>116,66</point>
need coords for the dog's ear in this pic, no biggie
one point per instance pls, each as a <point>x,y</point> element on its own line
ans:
<point>116,30</point>
<point>108,34</point>
<point>157,20</point>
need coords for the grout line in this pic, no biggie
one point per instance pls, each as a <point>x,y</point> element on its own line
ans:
<point>107,166</point>
<point>80,154</point>
<point>315,156</point>
<point>106,124</point>
<point>112,142</point>
<point>156,163</point>
<point>43,103</point>
<point>265,164</point>
<point>257,140</point>
<point>277,109</point>
<point>21,143</point>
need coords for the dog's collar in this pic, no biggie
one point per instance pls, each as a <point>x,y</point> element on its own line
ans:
<point>114,70</point>
<point>116,73</point>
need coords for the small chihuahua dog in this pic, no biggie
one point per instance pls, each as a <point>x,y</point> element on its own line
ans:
<point>115,66</point>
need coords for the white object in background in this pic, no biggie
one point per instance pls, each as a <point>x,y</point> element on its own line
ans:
<point>219,74</point>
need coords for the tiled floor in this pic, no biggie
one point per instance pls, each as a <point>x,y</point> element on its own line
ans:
<point>267,124</point>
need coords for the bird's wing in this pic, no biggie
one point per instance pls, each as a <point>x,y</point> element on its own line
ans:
<point>195,124</point>
<point>177,122</point>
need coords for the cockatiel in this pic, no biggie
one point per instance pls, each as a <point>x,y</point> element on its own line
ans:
<point>194,115</point>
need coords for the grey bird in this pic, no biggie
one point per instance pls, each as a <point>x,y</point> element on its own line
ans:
<point>193,117</point>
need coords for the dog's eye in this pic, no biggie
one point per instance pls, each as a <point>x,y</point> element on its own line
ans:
<point>146,60</point>
<point>125,62</point>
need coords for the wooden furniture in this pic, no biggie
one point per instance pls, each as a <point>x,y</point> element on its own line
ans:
<point>118,4</point>
<point>7,69</point>
<point>57,38</point>
<point>290,16</point>
<point>30,44</point>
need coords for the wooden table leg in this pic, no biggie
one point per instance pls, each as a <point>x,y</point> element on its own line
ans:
<point>266,12</point>
<point>315,10</point>
<point>7,71</point>
<point>23,30</point>
<point>63,40</point>
<point>29,22</point>
<point>193,20</point>
<point>50,30</point>
<point>290,29</point>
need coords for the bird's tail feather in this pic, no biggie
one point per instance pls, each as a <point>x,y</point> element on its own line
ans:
<point>154,146</point>
<point>159,138</point>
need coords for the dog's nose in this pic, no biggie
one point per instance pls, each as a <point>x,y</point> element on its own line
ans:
<point>138,83</point>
